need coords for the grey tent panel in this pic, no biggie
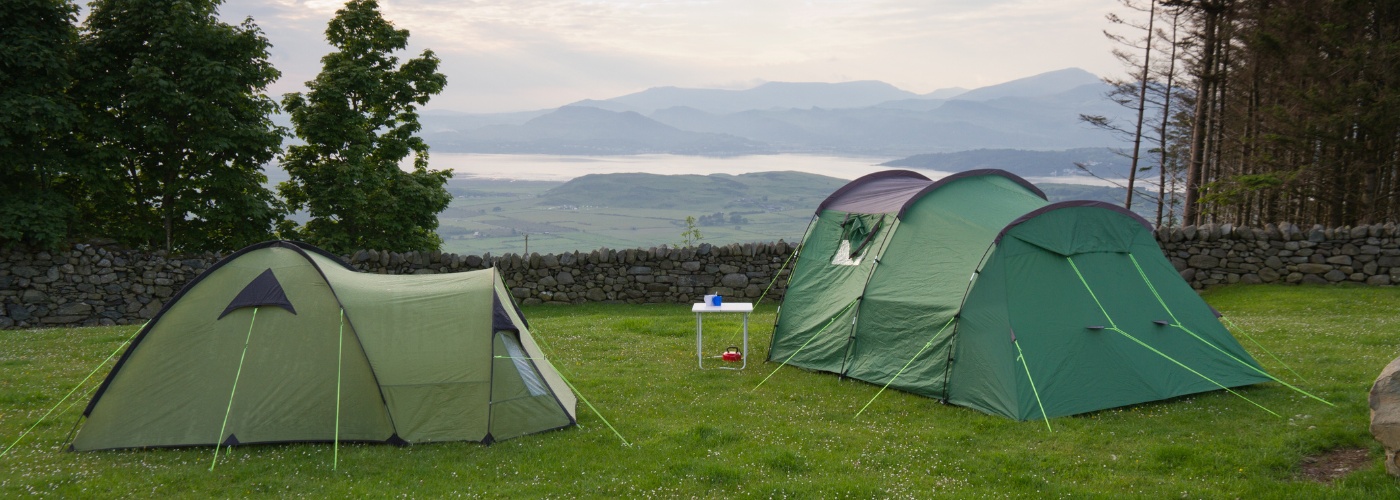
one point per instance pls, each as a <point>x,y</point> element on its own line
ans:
<point>500,320</point>
<point>880,192</point>
<point>264,290</point>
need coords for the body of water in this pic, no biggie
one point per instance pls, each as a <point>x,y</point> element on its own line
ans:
<point>562,168</point>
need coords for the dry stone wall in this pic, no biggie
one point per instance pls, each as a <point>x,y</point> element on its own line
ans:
<point>1221,254</point>
<point>656,275</point>
<point>101,285</point>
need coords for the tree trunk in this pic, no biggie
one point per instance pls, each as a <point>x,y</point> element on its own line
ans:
<point>1142,103</point>
<point>1170,74</point>
<point>1205,92</point>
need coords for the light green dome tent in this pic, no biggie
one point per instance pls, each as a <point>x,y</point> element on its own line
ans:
<point>283,342</point>
<point>975,290</point>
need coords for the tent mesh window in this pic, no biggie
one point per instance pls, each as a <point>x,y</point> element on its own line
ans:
<point>857,231</point>
<point>532,380</point>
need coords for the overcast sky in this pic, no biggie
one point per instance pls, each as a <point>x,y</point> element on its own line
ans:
<point>515,55</point>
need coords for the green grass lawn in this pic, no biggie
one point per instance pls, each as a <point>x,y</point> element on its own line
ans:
<point>711,434</point>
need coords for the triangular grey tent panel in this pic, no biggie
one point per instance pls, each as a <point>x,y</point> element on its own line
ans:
<point>500,319</point>
<point>264,290</point>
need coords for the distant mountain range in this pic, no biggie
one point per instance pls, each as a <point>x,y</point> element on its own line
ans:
<point>1101,161</point>
<point>863,118</point>
<point>772,95</point>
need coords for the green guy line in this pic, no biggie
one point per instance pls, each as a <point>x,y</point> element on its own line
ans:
<point>1020,356</point>
<point>1150,348</point>
<point>1266,374</point>
<point>1176,323</point>
<point>1178,363</point>
<point>776,275</point>
<point>804,344</point>
<point>586,402</point>
<point>540,340</point>
<point>236,375</point>
<point>1153,289</point>
<point>906,365</point>
<point>1261,347</point>
<point>75,389</point>
<point>1091,293</point>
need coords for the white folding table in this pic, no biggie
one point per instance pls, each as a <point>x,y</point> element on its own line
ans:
<point>727,307</point>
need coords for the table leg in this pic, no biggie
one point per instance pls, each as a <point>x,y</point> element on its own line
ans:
<point>699,342</point>
<point>746,342</point>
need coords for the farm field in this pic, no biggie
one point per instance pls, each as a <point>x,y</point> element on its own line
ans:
<point>497,216</point>
<point>645,210</point>
<point>715,433</point>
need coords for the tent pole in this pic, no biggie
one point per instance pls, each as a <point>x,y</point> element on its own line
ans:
<point>1114,327</point>
<point>906,365</point>
<point>796,257</point>
<point>1177,324</point>
<point>339,359</point>
<point>971,280</point>
<point>855,319</point>
<point>776,275</point>
<point>76,422</point>
<point>236,375</point>
<point>75,389</point>
<point>804,345</point>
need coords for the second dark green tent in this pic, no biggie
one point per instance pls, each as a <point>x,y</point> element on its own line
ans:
<point>975,290</point>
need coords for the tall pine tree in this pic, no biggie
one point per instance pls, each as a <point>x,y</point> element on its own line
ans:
<point>1294,111</point>
<point>358,120</point>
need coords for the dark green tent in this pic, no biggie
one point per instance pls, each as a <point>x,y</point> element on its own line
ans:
<point>283,342</point>
<point>975,290</point>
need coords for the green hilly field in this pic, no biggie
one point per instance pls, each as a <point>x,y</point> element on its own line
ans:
<point>637,210</point>
<point>627,210</point>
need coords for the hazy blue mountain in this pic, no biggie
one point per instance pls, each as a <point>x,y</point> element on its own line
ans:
<point>591,131</point>
<point>913,104</point>
<point>1052,82</point>
<point>906,127</point>
<point>766,96</point>
<point>434,122</point>
<point>759,126</point>
<point>1102,161</point>
<point>867,118</point>
<point>947,93</point>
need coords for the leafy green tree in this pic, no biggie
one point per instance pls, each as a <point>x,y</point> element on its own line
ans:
<point>177,110</point>
<point>37,117</point>
<point>358,120</point>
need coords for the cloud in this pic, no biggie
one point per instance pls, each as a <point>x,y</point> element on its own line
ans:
<point>502,55</point>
